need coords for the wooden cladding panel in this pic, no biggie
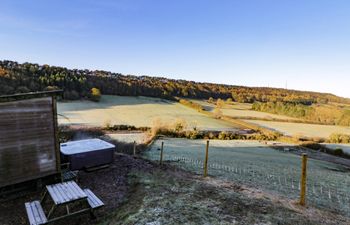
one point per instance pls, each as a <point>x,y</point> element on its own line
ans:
<point>27,140</point>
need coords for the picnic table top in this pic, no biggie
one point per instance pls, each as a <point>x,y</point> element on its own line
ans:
<point>63,193</point>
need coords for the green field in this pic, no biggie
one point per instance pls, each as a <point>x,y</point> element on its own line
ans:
<point>254,164</point>
<point>301,129</point>
<point>137,111</point>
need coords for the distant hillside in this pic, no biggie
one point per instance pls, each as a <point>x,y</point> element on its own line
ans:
<point>77,83</point>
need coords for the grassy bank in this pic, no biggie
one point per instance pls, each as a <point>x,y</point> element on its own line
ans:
<point>171,196</point>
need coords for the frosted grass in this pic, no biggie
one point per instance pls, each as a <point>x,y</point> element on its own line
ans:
<point>241,110</point>
<point>137,111</point>
<point>254,164</point>
<point>308,130</point>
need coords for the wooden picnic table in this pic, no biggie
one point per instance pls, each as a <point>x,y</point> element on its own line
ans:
<point>62,194</point>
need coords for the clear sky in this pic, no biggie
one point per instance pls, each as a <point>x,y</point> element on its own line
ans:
<point>304,43</point>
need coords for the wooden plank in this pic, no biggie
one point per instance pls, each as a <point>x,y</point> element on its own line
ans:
<point>80,191</point>
<point>97,202</point>
<point>53,194</point>
<point>22,96</point>
<point>30,213</point>
<point>22,109</point>
<point>59,194</point>
<point>34,131</point>
<point>24,121</point>
<point>36,176</point>
<point>53,220</point>
<point>70,195</point>
<point>35,212</point>
<point>40,212</point>
<point>26,146</point>
<point>19,124</point>
<point>71,190</point>
<point>76,193</point>
<point>55,131</point>
<point>43,171</point>
<point>93,200</point>
<point>66,192</point>
<point>69,176</point>
<point>26,114</point>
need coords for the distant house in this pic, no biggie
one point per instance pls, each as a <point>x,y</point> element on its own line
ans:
<point>29,148</point>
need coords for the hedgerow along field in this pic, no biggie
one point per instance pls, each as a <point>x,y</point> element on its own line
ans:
<point>257,165</point>
<point>127,137</point>
<point>302,129</point>
<point>241,110</point>
<point>136,111</point>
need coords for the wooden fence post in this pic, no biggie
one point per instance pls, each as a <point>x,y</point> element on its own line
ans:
<point>206,159</point>
<point>303,179</point>
<point>161,154</point>
<point>134,150</point>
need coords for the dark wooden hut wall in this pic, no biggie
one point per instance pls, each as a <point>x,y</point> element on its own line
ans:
<point>27,140</point>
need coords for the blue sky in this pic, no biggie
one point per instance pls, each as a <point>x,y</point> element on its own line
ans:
<point>305,43</point>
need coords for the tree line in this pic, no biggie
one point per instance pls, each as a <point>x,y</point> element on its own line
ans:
<point>77,83</point>
<point>318,113</point>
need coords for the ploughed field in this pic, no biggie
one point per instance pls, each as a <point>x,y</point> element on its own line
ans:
<point>302,129</point>
<point>257,165</point>
<point>137,111</point>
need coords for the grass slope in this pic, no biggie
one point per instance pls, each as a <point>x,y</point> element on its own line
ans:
<point>171,196</point>
<point>259,166</point>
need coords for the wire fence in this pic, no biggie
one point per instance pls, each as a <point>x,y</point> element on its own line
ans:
<point>329,191</point>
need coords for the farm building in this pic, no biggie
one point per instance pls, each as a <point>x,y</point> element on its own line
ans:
<point>29,148</point>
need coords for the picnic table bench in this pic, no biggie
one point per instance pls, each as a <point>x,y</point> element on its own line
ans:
<point>62,194</point>
<point>35,213</point>
<point>67,174</point>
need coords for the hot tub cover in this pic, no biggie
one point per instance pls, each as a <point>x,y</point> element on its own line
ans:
<point>87,145</point>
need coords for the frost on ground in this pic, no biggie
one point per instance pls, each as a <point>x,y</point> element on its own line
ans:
<point>172,196</point>
<point>302,129</point>
<point>136,111</point>
<point>129,137</point>
<point>137,191</point>
<point>259,166</point>
<point>241,110</point>
<point>344,147</point>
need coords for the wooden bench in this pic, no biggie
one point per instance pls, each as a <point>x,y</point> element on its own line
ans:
<point>35,213</point>
<point>67,174</point>
<point>93,200</point>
